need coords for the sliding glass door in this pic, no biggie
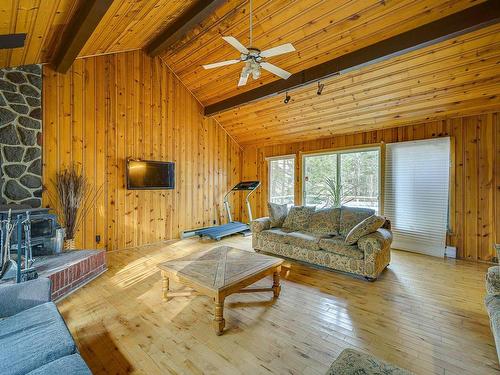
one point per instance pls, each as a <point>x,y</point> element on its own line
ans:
<point>349,178</point>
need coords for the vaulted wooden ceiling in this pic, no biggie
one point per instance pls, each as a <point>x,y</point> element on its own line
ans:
<point>318,29</point>
<point>131,24</point>
<point>42,20</point>
<point>456,76</point>
<point>127,25</point>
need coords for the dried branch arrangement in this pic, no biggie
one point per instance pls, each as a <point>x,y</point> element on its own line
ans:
<point>75,197</point>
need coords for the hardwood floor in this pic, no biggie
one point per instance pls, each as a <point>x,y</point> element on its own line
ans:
<point>424,314</point>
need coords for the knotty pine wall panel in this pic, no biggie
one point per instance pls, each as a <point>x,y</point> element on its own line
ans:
<point>474,183</point>
<point>111,107</point>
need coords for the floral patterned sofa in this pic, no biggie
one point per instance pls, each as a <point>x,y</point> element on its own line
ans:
<point>321,240</point>
<point>492,301</point>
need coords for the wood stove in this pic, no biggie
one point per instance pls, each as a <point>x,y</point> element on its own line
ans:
<point>43,227</point>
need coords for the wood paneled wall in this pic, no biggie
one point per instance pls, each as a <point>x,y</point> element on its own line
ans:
<point>475,174</point>
<point>108,108</point>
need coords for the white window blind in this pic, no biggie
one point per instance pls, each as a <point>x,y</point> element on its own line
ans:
<point>416,194</point>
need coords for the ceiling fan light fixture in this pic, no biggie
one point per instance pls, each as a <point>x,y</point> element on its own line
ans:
<point>253,58</point>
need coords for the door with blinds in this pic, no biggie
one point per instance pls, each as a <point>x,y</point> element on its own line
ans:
<point>416,194</point>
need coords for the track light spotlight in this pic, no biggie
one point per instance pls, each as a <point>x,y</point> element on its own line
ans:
<point>321,86</point>
<point>287,98</point>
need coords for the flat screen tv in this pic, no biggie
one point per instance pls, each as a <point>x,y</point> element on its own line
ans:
<point>150,175</point>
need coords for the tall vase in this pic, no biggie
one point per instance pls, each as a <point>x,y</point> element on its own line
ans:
<point>69,244</point>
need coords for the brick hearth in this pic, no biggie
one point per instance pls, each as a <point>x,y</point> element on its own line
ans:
<point>69,271</point>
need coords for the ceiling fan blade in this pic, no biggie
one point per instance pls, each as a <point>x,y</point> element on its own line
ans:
<point>243,80</point>
<point>275,70</point>
<point>279,50</point>
<point>222,63</point>
<point>235,43</point>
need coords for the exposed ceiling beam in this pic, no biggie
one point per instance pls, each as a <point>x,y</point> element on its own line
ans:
<point>78,31</point>
<point>200,10</point>
<point>468,20</point>
<point>8,41</point>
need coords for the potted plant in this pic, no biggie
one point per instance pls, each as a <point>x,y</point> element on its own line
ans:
<point>74,197</point>
<point>336,195</point>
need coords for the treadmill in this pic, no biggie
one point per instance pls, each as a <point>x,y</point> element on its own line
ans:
<point>232,227</point>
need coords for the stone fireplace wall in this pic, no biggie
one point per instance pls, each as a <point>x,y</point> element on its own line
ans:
<point>20,135</point>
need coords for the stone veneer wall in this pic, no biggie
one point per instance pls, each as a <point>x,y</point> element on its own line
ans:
<point>20,135</point>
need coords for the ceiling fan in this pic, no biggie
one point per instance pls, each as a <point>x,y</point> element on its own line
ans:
<point>254,58</point>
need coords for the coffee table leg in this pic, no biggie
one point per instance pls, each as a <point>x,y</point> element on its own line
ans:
<point>219,321</point>
<point>276,282</point>
<point>166,285</point>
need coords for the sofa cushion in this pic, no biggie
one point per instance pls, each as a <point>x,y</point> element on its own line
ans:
<point>367,226</point>
<point>325,221</point>
<point>32,338</point>
<point>23,296</point>
<point>351,216</point>
<point>305,240</point>
<point>337,245</point>
<point>277,214</point>
<point>275,235</point>
<point>71,364</point>
<point>298,218</point>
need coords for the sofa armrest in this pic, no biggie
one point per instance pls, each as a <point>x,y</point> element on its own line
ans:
<point>493,281</point>
<point>258,225</point>
<point>15,298</point>
<point>376,241</point>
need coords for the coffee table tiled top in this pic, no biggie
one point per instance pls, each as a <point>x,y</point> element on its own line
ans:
<point>220,272</point>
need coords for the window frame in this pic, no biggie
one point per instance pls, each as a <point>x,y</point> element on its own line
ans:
<point>282,157</point>
<point>347,150</point>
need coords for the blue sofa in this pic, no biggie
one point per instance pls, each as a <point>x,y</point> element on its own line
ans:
<point>34,338</point>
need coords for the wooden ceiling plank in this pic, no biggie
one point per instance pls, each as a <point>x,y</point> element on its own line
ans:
<point>364,82</point>
<point>352,108</point>
<point>110,26</point>
<point>351,34</point>
<point>454,25</point>
<point>78,31</point>
<point>314,105</point>
<point>371,108</point>
<point>277,16</point>
<point>331,32</point>
<point>374,105</point>
<point>181,26</point>
<point>339,89</point>
<point>471,107</point>
<point>366,110</point>
<point>417,68</point>
<point>227,18</point>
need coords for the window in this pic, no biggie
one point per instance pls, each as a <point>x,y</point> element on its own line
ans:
<point>348,178</point>
<point>416,194</point>
<point>282,179</point>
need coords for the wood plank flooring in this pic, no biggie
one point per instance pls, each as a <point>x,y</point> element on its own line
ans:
<point>424,314</point>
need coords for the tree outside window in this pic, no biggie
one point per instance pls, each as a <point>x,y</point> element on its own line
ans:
<point>282,180</point>
<point>345,178</point>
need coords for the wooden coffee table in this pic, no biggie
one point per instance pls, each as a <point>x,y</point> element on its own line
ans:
<point>219,272</point>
